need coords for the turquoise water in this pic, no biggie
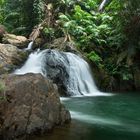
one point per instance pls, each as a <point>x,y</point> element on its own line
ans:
<point>100,118</point>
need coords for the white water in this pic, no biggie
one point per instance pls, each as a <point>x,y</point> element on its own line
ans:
<point>80,81</point>
<point>34,64</point>
<point>29,46</point>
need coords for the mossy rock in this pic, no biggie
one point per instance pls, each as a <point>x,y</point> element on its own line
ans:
<point>10,58</point>
<point>19,41</point>
<point>61,45</point>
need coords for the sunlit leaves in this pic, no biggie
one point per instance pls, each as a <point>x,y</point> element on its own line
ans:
<point>64,18</point>
<point>2,2</point>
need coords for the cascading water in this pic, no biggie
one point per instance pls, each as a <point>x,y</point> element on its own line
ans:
<point>67,70</point>
<point>80,77</point>
<point>34,64</point>
<point>29,46</point>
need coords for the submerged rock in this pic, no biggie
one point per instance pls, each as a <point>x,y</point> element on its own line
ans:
<point>30,105</point>
<point>10,57</point>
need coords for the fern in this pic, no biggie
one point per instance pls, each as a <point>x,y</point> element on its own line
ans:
<point>12,16</point>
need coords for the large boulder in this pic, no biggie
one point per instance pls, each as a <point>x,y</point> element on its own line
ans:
<point>10,57</point>
<point>30,105</point>
<point>19,41</point>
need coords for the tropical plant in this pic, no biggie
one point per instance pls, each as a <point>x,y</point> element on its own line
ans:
<point>109,37</point>
<point>20,16</point>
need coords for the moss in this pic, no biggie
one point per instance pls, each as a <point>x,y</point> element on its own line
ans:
<point>22,56</point>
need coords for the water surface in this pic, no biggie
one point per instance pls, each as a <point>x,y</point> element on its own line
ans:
<point>100,118</point>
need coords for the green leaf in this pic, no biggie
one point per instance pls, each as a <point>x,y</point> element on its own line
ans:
<point>64,17</point>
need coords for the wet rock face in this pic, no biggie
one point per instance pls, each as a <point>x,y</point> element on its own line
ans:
<point>10,57</point>
<point>57,66</point>
<point>30,105</point>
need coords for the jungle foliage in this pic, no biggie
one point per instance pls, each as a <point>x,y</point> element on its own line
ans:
<point>20,16</point>
<point>110,37</point>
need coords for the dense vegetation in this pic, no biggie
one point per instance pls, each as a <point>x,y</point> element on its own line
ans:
<point>109,36</point>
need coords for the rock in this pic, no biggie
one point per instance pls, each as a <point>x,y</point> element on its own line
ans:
<point>57,67</point>
<point>136,72</point>
<point>30,105</point>
<point>19,41</point>
<point>101,77</point>
<point>62,45</point>
<point>2,32</point>
<point>126,86</point>
<point>37,43</point>
<point>10,57</point>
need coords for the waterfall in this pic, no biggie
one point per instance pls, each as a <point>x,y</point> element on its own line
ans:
<point>34,64</point>
<point>80,77</point>
<point>69,71</point>
<point>29,46</point>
